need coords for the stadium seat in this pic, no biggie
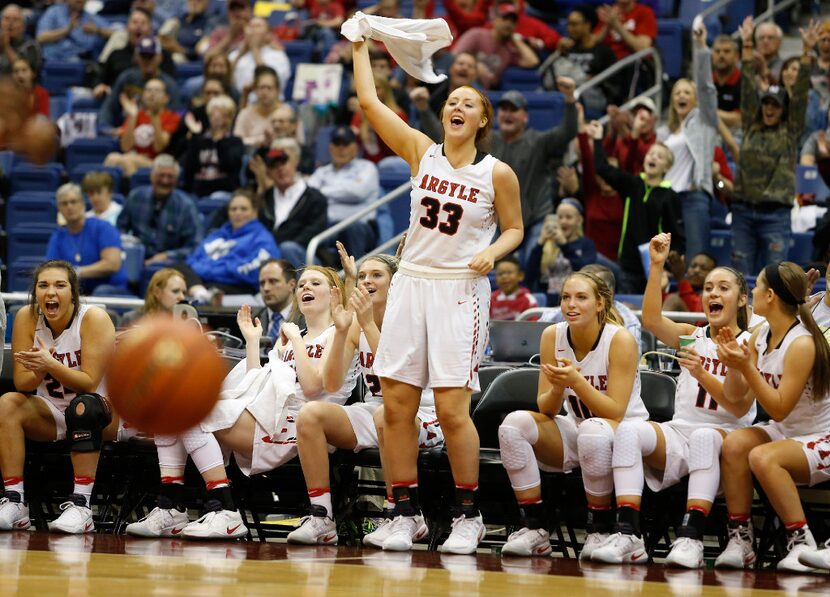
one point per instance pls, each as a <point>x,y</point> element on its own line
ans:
<point>544,107</point>
<point>298,51</point>
<point>89,151</point>
<point>57,76</point>
<point>28,177</point>
<point>541,298</point>
<point>657,391</point>
<point>186,70</point>
<point>208,207</point>
<point>140,178</point>
<point>29,241</point>
<point>486,376</point>
<point>632,299</point>
<point>133,256</point>
<point>521,79</point>
<point>512,390</point>
<point>321,146</point>
<point>393,172</point>
<point>720,246</point>
<point>801,248</point>
<point>20,273</point>
<point>670,44</point>
<point>31,208</point>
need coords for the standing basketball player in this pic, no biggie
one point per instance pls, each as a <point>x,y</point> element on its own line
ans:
<point>61,351</point>
<point>436,322</point>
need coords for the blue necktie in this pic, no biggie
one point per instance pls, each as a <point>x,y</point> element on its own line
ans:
<point>274,327</point>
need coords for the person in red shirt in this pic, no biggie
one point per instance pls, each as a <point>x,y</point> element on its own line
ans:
<point>146,130</point>
<point>627,27</point>
<point>632,134</point>
<point>689,281</point>
<point>510,299</point>
<point>24,75</point>
<point>466,14</point>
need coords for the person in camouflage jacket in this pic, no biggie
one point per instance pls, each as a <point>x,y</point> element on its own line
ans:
<point>765,181</point>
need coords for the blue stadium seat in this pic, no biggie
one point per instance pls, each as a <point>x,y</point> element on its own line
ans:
<point>667,9</point>
<point>521,79</point>
<point>801,248</point>
<point>186,70</point>
<point>7,159</point>
<point>670,44</point>
<point>541,298</point>
<point>133,256</point>
<point>28,177</point>
<point>321,145</point>
<point>29,241</point>
<point>20,273</point>
<point>208,206</point>
<point>31,208</point>
<point>57,76</point>
<point>393,172</point>
<point>57,106</point>
<point>89,151</point>
<point>298,51</point>
<point>720,246</point>
<point>77,174</point>
<point>140,178</point>
<point>544,107</point>
<point>631,299</point>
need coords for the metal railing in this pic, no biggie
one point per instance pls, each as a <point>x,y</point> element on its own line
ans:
<point>655,90</point>
<point>108,301</point>
<point>328,233</point>
<point>678,316</point>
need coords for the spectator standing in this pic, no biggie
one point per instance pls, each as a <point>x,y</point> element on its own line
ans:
<point>223,40</point>
<point>257,50</point>
<point>97,186</point>
<point>463,15</point>
<point>626,26</point>
<point>349,183</point>
<point>510,299</point>
<point>765,180</point>
<point>92,246</point>
<point>497,48</point>
<point>13,41</point>
<point>68,32</point>
<point>147,128</point>
<point>180,34</point>
<point>632,133</point>
<point>691,135</point>
<point>161,216</point>
<point>767,44</point>
<point>214,156</point>
<point>727,78</point>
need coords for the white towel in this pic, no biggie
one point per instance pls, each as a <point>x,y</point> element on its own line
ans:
<point>411,42</point>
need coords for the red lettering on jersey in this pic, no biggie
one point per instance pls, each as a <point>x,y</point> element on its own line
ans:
<point>771,378</point>
<point>78,357</point>
<point>288,356</point>
<point>603,383</point>
<point>473,192</point>
<point>318,353</point>
<point>367,359</point>
<point>453,187</point>
<point>433,184</point>
<point>424,180</point>
<point>442,188</point>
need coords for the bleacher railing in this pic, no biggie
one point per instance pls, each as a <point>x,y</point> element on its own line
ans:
<point>107,301</point>
<point>328,233</point>
<point>655,91</point>
<point>678,316</point>
<point>771,11</point>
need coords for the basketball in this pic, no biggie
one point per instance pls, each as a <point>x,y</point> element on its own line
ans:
<point>165,376</point>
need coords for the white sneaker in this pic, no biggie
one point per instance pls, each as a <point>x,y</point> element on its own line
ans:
<point>160,522</point>
<point>217,524</point>
<point>740,551</point>
<point>527,542</point>
<point>14,514</point>
<point>799,542</point>
<point>465,536</point>
<point>404,531</point>
<point>592,542</point>
<point>75,518</point>
<point>314,530</point>
<point>816,558</point>
<point>621,549</point>
<point>379,535</point>
<point>686,553</point>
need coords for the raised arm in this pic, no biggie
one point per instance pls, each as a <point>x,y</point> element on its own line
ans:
<point>707,93</point>
<point>749,86</point>
<point>666,330</point>
<point>798,102</point>
<point>408,143</point>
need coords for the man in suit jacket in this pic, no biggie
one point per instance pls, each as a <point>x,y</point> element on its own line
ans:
<point>295,211</point>
<point>277,283</point>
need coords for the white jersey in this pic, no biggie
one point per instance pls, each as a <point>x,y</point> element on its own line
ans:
<point>811,415</point>
<point>452,212</point>
<point>594,367</point>
<point>315,347</point>
<point>693,406</point>
<point>366,360</point>
<point>821,313</point>
<point>66,348</point>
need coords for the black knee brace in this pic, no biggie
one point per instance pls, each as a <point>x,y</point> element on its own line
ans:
<point>86,418</point>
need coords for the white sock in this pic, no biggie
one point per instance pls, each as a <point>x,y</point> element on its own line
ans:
<point>321,497</point>
<point>83,486</point>
<point>15,484</point>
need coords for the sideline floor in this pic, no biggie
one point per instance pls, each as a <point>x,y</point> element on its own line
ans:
<point>44,565</point>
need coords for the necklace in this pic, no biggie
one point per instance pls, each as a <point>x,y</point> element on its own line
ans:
<point>77,242</point>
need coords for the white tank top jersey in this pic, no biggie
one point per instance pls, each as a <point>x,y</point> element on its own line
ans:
<point>693,406</point>
<point>366,360</point>
<point>315,347</point>
<point>452,212</point>
<point>66,349</point>
<point>594,367</point>
<point>821,313</point>
<point>809,416</point>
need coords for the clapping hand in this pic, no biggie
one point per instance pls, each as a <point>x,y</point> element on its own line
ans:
<point>251,328</point>
<point>341,315</point>
<point>361,304</point>
<point>346,261</point>
<point>730,352</point>
<point>37,360</point>
<point>563,375</point>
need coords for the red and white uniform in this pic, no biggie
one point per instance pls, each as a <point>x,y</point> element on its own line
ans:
<point>594,368</point>
<point>438,309</point>
<point>809,421</point>
<point>510,306</point>
<point>694,408</point>
<point>66,348</point>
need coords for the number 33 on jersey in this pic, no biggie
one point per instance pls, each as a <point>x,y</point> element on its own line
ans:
<point>452,211</point>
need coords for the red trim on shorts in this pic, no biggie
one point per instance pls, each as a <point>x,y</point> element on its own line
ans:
<point>318,491</point>
<point>217,484</point>
<point>84,480</point>
<point>172,480</point>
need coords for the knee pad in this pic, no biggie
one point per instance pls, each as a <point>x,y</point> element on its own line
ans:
<point>193,439</point>
<point>516,450</point>
<point>704,449</point>
<point>594,441</point>
<point>633,440</point>
<point>524,423</point>
<point>164,441</point>
<point>86,418</point>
